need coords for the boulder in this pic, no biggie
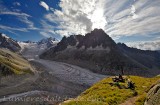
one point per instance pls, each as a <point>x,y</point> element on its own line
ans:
<point>153,96</point>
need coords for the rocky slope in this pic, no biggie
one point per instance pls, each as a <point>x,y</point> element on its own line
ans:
<point>147,58</point>
<point>153,96</point>
<point>12,63</point>
<point>6,42</point>
<point>97,52</point>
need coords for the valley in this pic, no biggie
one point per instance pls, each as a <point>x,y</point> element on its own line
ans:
<point>51,78</point>
<point>79,52</point>
<point>51,71</point>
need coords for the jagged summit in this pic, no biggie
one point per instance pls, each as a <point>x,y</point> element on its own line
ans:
<point>45,40</point>
<point>4,35</point>
<point>48,41</point>
<point>96,39</point>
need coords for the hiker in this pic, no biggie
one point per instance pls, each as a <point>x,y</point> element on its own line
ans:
<point>121,78</point>
<point>130,84</point>
<point>118,79</point>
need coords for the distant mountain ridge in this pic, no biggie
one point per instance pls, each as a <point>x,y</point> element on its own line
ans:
<point>17,46</point>
<point>90,40</point>
<point>99,53</point>
<point>6,42</point>
<point>95,51</point>
<point>48,41</point>
<point>150,59</point>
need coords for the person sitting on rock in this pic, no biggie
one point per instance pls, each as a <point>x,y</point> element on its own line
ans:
<point>130,84</point>
<point>118,79</point>
<point>121,78</point>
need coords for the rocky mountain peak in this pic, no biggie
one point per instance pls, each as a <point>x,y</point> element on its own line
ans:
<point>94,39</point>
<point>45,40</point>
<point>4,36</point>
<point>7,42</point>
<point>48,41</point>
<point>97,37</point>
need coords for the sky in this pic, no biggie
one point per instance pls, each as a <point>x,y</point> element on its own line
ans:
<point>134,22</point>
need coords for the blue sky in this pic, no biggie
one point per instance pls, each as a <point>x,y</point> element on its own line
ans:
<point>128,21</point>
<point>21,19</point>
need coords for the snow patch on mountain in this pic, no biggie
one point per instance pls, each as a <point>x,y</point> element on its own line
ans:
<point>32,50</point>
<point>8,43</point>
<point>5,36</point>
<point>99,48</point>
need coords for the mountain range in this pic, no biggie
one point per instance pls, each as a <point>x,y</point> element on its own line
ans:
<point>99,53</point>
<point>11,61</point>
<point>95,51</point>
<point>17,46</point>
<point>30,67</point>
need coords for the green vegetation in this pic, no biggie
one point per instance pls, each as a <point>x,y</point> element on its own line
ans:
<point>102,93</point>
<point>12,63</point>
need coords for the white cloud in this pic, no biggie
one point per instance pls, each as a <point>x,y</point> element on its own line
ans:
<point>47,29</point>
<point>30,24</point>
<point>45,34</point>
<point>146,45</point>
<point>23,17</point>
<point>122,24</point>
<point>17,4</point>
<point>117,17</point>
<point>44,5</point>
<point>7,28</point>
<point>14,13</point>
<point>133,10</point>
<point>78,16</point>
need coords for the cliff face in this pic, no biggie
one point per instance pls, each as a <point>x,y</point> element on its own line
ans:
<point>153,96</point>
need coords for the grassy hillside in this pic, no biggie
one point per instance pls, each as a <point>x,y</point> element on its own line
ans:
<point>12,63</point>
<point>102,93</point>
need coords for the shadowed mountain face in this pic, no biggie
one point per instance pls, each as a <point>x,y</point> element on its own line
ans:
<point>99,53</point>
<point>6,42</point>
<point>150,59</point>
<point>97,39</point>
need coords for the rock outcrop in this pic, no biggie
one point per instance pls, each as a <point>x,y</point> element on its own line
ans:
<point>153,96</point>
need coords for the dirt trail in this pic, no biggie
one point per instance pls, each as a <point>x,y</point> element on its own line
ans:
<point>130,101</point>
